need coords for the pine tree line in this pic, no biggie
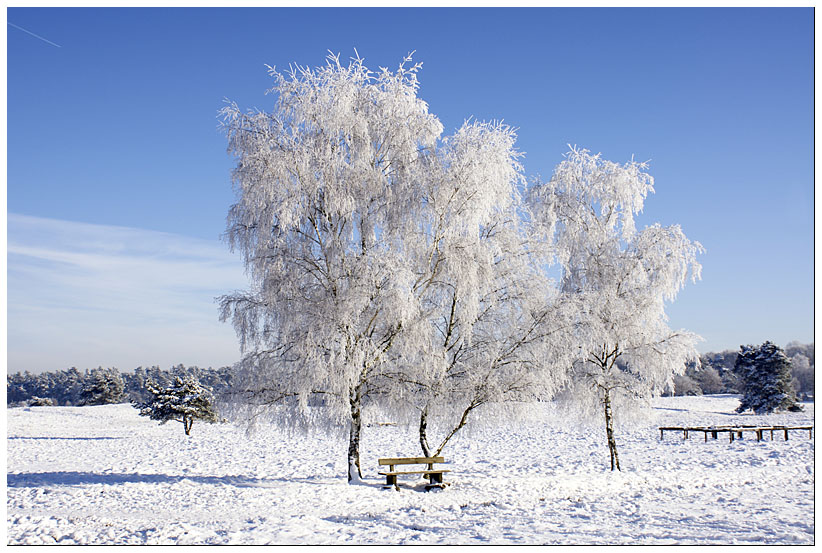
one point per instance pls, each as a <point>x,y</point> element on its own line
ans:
<point>72,387</point>
<point>716,374</point>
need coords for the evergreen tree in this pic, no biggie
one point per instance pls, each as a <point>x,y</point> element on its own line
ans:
<point>765,372</point>
<point>73,387</point>
<point>184,401</point>
<point>102,387</point>
<point>16,389</point>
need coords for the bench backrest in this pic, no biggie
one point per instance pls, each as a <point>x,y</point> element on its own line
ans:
<point>412,461</point>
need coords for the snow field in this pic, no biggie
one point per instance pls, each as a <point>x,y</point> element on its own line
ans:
<point>104,475</point>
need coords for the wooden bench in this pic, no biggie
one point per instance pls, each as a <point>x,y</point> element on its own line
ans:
<point>434,475</point>
<point>733,430</point>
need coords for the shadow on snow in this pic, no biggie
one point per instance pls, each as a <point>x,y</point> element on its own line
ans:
<point>69,478</point>
<point>62,438</point>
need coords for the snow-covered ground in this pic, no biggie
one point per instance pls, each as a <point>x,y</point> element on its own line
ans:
<point>95,475</point>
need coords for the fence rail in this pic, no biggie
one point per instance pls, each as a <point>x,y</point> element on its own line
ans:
<point>733,431</point>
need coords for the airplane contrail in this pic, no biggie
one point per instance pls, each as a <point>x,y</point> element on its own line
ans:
<point>34,35</point>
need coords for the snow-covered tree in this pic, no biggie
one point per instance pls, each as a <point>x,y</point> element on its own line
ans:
<point>707,378</point>
<point>620,279</point>
<point>387,264</point>
<point>69,386</point>
<point>485,301</point>
<point>185,401</point>
<point>802,367</point>
<point>101,387</point>
<point>803,375</point>
<point>765,372</point>
<point>684,385</point>
<point>329,188</point>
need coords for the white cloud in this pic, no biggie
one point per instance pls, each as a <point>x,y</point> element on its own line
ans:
<point>85,295</point>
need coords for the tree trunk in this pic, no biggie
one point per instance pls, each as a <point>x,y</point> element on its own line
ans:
<point>426,449</point>
<point>187,423</point>
<point>354,472</point>
<point>609,430</point>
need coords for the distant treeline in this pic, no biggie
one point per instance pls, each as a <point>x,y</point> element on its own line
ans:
<point>73,387</point>
<point>716,376</point>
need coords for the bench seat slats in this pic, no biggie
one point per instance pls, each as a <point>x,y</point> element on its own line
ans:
<point>395,473</point>
<point>412,461</point>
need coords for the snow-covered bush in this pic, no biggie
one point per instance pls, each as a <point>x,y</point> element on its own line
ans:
<point>40,402</point>
<point>684,385</point>
<point>767,382</point>
<point>185,401</point>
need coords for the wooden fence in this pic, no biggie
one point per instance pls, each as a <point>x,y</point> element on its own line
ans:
<point>733,431</point>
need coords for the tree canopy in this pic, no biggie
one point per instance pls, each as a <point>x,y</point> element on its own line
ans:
<point>394,267</point>
<point>619,279</point>
<point>185,401</point>
<point>766,379</point>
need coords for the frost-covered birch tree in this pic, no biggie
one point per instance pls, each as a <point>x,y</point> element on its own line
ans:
<point>388,264</point>
<point>328,188</point>
<point>619,278</point>
<point>471,257</point>
<point>490,311</point>
<point>482,339</point>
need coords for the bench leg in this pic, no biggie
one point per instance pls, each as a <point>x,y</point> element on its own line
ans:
<point>435,481</point>
<point>391,480</point>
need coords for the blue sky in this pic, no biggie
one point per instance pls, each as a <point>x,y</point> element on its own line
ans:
<point>118,179</point>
